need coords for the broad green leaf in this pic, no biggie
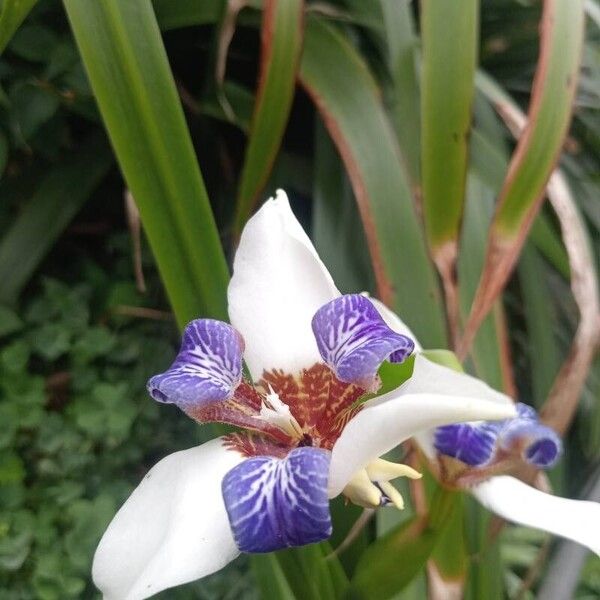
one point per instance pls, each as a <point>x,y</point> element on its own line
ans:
<point>342,88</point>
<point>281,37</point>
<point>12,14</point>
<point>51,208</point>
<point>553,93</point>
<point>450,37</point>
<point>172,14</point>
<point>129,72</point>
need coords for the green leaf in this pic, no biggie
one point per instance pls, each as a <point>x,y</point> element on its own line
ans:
<point>281,46</point>
<point>553,94</point>
<point>12,14</point>
<point>172,14</point>
<point>549,115</point>
<point>270,578</point>
<point>9,321</point>
<point>402,45</point>
<point>449,34</point>
<point>55,202</point>
<point>342,88</point>
<point>129,72</point>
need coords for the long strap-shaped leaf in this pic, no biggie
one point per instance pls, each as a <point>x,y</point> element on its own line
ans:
<point>537,151</point>
<point>449,33</point>
<point>12,14</point>
<point>128,69</point>
<point>281,38</point>
<point>347,99</point>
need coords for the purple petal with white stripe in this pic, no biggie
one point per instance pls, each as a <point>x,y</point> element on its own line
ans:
<point>539,445</point>
<point>354,340</point>
<point>208,367</point>
<point>275,503</point>
<point>473,444</point>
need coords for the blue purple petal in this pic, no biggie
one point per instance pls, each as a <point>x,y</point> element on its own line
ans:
<point>275,503</point>
<point>208,367</point>
<point>354,340</point>
<point>473,444</point>
<point>539,445</point>
<point>476,444</point>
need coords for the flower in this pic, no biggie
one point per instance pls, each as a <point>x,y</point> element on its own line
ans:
<point>477,456</point>
<point>304,436</point>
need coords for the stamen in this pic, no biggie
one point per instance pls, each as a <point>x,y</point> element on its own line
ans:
<point>370,486</point>
<point>384,470</point>
<point>394,496</point>
<point>278,414</point>
<point>361,491</point>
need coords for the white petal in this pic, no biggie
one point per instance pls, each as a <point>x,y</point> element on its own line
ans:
<point>278,284</point>
<point>429,377</point>
<point>577,520</point>
<point>393,321</point>
<point>172,529</point>
<point>392,418</point>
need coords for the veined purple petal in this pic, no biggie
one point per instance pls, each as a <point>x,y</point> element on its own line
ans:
<point>354,340</point>
<point>275,503</point>
<point>539,445</point>
<point>208,367</point>
<point>476,444</point>
<point>473,444</point>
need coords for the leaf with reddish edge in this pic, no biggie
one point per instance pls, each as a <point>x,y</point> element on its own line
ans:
<point>13,13</point>
<point>348,101</point>
<point>522,194</point>
<point>281,44</point>
<point>561,404</point>
<point>447,89</point>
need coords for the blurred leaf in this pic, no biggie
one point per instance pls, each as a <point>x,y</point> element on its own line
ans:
<point>58,198</point>
<point>9,321</point>
<point>34,42</point>
<point>172,14</point>
<point>281,43</point>
<point>342,87</point>
<point>129,72</point>
<point>270,578</point>
<point>12,14</point>
<point>33,105</point>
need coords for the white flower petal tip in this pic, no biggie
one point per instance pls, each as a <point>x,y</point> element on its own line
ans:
<point>278,284</point>
<point>392,418</point>
<point>172,529</point>
<point>577,520</point>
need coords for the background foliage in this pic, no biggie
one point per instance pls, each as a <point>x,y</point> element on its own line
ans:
<point>333,108</point>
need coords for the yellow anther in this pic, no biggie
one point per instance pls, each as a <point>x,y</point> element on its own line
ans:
<point>393,494</point>
<point>383,470</point>
<point>360,490</point>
